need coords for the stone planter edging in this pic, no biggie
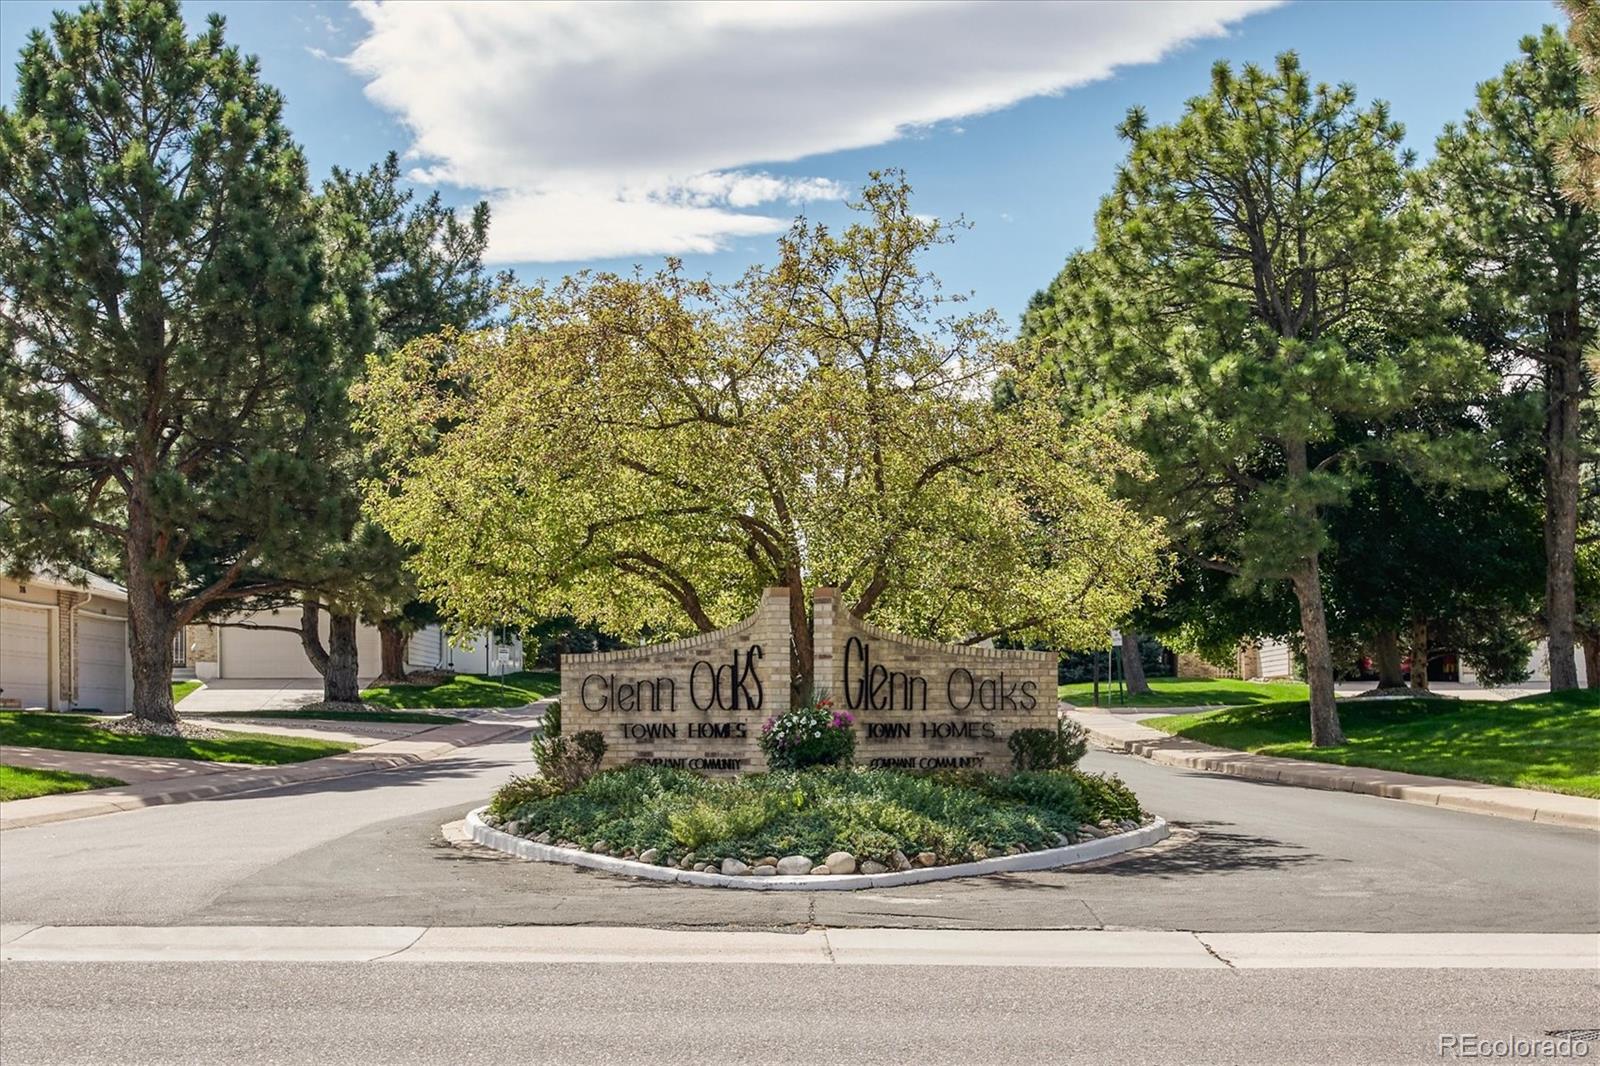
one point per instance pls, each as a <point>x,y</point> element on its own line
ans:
<point>1072,854</point>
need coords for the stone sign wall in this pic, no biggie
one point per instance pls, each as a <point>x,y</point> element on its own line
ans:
<point>919,704</point>
<point>697,703</point>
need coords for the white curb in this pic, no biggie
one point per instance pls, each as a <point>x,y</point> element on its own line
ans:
<point>1050,859</point>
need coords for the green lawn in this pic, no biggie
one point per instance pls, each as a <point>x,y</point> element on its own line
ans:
<point>470,690</point>
<point>71,732</point>
<point>21,782</point>
<point>1195,692</point>
<point>180,689</point>
<point>418,717</point>
<point>1550,741</point>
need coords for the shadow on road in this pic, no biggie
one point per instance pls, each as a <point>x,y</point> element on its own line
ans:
<point>1215,850</point>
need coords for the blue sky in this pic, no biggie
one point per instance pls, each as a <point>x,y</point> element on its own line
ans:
<point>606,137</point>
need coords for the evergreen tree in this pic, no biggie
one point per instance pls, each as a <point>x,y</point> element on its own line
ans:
<point>164,379</point>
<point>1530,259</point>
<point>1254,263</point>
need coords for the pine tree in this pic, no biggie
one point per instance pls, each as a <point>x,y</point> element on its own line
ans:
<point>164,381</point>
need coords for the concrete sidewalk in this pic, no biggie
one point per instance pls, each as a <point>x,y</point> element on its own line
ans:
<point>1530,805</point>
<point>1136,949</point>
<point>423,746</point>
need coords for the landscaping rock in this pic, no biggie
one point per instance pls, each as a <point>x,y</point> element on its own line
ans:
<point>734,868</point>
<point>979,852</point>
<point>820,871</point>
<point>627,853</point>
<point>794,865</point>
<point>765,871</point>
<point>841,862</point>
<point>514,828</point>
<point>565,844</point>
<point>873,866</point>
<point>1062,840</point>
<point>770,860</point>
<point>926,858</point>
<point>542,838</point>
<point>1087,830</point>
<point>898,861</point>
<point>649,855</point>
<point>687,862</point>
<point>701,867</point>
<point>600,847</point>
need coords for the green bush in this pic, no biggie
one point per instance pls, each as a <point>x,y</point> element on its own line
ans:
<point>517,791</point>
<point>869,813</point>
<point>813,735</point>
<point>1049,749</point>
<point>567,762</point>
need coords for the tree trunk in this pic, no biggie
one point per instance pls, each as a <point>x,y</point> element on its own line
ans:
<point>1591,658</point>
<point>340,684</point>
<point>151,623</point>
<point>803,652</point>
<point>311,635</point>
<point>1326,731</point>
<point>1133,664</point>
<point>392,642</point>
<point>1419,654</point>
<point>1563,386</point>
<point>1386,651</point>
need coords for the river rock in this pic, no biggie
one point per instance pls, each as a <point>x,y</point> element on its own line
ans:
<point>926,858</point>
<point>770,860</point>
<point>1087,830</point>
<point>701,867</point>
<point>794,865</point>
<point>650,855</point>
<point>514,828</point>
<point>687,862</point>
<point>898,861</point>
<point>765,871</point>
<point>734,868</point>
<point>819,870</point>
<point>600,847</point>
<point>873,866</point>
<point>542,838</point>
<point>841,862</point>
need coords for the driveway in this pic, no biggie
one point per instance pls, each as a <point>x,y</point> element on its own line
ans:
<point>230,695</point>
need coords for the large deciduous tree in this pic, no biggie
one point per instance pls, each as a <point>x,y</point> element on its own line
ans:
<point>1255,285</point>
<point>163,376</point>
<point>647,452</point>
<point>1530,259</point>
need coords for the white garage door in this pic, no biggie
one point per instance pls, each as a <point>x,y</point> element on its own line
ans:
<point>102,664</point>
<point>269,653</point>
<point>25,655</point>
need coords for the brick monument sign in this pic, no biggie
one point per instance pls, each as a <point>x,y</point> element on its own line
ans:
<point>699,703</point>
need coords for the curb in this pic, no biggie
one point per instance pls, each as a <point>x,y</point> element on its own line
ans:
<point>214,786</point>
<point>1470,797</point>
<point>1050,859</point>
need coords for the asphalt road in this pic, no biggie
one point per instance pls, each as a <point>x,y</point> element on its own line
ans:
<point>618,1013</point>
<point>368,851</point>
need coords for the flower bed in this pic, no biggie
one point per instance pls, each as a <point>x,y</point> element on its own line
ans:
<point>822,821</point>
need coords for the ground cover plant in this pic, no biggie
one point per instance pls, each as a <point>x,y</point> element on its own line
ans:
<point>24,782</point>
<point>1548,741</point>
<point>469,690</point>
<point>1186,692</point>
<point>869,813</point>
<point>71,732</point>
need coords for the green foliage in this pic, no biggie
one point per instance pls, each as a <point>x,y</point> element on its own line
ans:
<point>166,376</point>
<point>1189,692</point>
<point>869,813</point>
<point>519,790</point>
<point>1260,279</point>
<point>566,761</point>
<point>1048,749</point>
<point>646,453</point>
<point>811,735</point>
<point>70,732</point>
<point>1544,742</point>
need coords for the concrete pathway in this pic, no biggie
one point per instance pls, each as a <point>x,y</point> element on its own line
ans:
<point>1121,734</point>
<point>423,746</point>
<point>1137,949</point>
<point>219,695</point>
<point>130,769</point>
<point>361,733</point>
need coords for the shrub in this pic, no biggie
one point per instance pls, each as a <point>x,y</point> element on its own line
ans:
<point>1048,749</point>
<point>1105,796</point>
<point>566,762</point>
<point>813,735</point>
<point>517,791</point>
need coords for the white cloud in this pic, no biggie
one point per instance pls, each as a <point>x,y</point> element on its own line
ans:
<point>607,129</point>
